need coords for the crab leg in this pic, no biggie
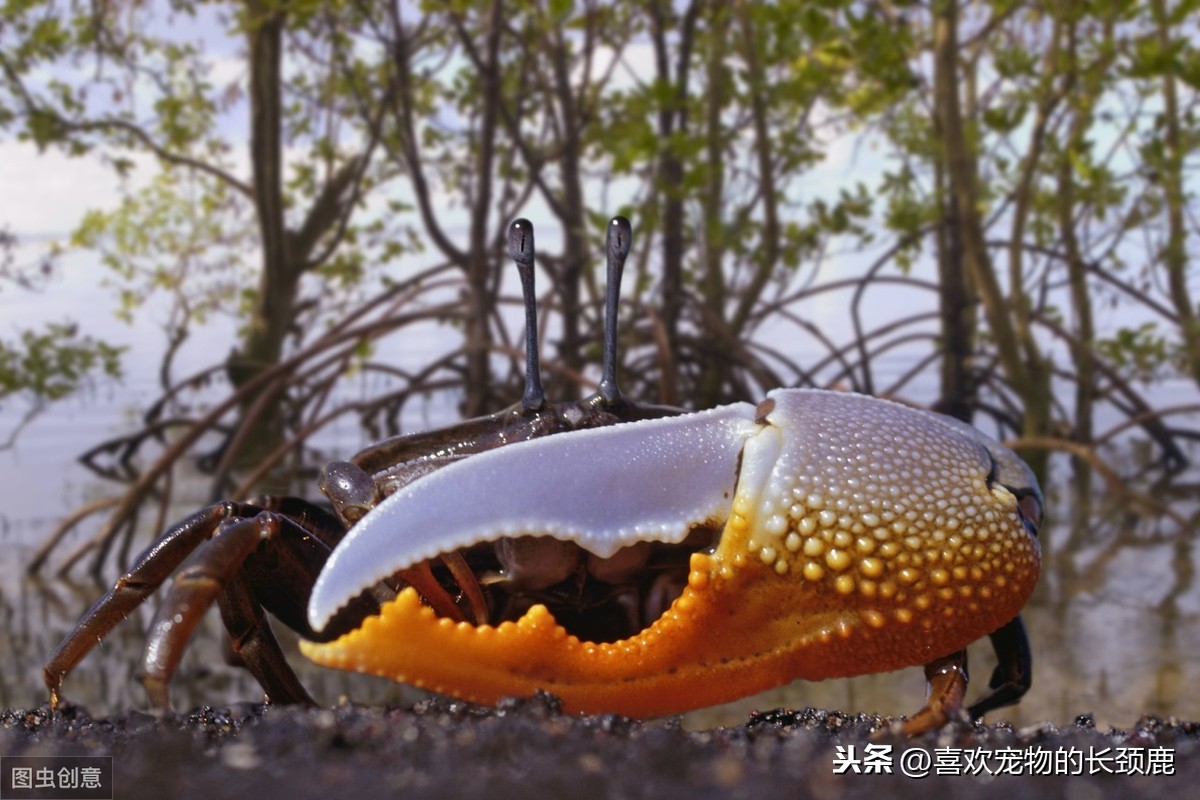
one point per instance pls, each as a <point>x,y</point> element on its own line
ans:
<point>420,577</point>
<point>193,590</point>
<point>1013,674</point>
<point>223,569</point>
<point>153,567</point>
<point>222,543</point>
<point>254,646</point>
<point>946,680</point>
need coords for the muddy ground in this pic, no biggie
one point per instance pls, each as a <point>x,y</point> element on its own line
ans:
<point>442,748</point>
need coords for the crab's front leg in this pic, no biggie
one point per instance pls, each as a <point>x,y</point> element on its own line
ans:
<point>855,535</point>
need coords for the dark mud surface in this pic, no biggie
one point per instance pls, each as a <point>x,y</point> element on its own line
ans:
<point>529,749</point>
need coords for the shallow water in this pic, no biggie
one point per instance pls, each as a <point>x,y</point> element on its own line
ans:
<point>1115,621</point>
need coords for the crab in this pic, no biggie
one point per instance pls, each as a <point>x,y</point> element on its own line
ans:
<point>626,557</point>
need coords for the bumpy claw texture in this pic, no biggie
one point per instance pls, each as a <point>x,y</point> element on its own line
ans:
<point>859,536</point>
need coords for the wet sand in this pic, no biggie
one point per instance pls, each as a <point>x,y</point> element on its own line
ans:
<point>444,748</point>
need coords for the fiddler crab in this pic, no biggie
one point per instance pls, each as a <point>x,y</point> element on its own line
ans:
<point>628,558</point>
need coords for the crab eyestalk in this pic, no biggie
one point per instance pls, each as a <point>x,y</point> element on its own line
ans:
<point>617,244</point>
<point>521,250</point>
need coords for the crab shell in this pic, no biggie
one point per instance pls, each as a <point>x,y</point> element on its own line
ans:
<point>859,536</point>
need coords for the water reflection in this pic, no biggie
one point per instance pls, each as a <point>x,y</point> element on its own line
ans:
<point>1115,624</point>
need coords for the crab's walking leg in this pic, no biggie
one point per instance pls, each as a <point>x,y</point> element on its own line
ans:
<point>244,579</point>
<point>946,679</point>
<point>1014,671</point>
<point>292,564</point>
<point>255,646</point>
<point>193,590</point>
<point>153,567</point>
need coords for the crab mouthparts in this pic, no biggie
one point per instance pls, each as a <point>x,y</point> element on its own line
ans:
<point>594,598</point>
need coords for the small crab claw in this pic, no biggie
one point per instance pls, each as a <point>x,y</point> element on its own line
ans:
<point>857,535</point>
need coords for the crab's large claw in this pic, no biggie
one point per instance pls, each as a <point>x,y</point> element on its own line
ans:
<point>858,535</point>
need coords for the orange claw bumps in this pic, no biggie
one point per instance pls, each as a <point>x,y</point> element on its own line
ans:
<point>851,535</point>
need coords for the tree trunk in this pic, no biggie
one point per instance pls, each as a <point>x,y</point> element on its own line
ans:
<point>1174,253</point>
<point>714,374</point>
<point>672,121</point>
<point>275,302</point>
<point>956,312</point>
<point>478,398</point>
<point>1005,316</point>
<point>572,213</point>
